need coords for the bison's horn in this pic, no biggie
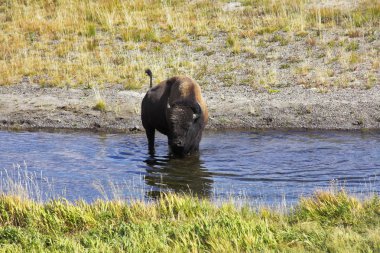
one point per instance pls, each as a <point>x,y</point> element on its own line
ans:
<point>168,105</point>
<point>197,111</point>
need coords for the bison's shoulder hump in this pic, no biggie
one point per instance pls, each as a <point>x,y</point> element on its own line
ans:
<point>183,86</point>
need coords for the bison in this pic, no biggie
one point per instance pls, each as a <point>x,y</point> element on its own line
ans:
<point>175,108</point>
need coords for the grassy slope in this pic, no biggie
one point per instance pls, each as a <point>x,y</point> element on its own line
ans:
<point>86,43</point>
<point>325,222</point>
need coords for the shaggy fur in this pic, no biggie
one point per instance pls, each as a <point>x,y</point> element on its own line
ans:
<point>176,108</point>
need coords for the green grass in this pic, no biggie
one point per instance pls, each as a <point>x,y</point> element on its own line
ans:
<point>352,46</point>
<point>324,222</point>
<point>233,43</point>
<point>100,105</point>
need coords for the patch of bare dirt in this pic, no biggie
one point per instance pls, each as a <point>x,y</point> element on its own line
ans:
<point>27,106</point>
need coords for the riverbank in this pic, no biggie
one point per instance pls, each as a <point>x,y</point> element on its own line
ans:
<point>324,222</point>
<point>265,64</point>
<point>28,106</point>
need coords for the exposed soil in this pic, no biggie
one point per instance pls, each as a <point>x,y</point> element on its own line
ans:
<point>28,106</point>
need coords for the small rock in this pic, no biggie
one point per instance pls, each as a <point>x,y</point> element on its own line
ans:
<point>358,122</point>
<point>232,6</point>
<point>134,129</point>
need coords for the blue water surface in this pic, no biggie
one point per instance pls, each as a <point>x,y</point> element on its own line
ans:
<point>265,166</point>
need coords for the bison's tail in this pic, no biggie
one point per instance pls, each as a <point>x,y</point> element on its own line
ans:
<point>149,73</point>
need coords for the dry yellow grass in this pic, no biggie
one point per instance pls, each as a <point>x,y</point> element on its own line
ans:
<point>75,43</point>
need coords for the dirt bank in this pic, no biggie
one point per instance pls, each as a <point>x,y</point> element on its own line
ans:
<point>28,106</point>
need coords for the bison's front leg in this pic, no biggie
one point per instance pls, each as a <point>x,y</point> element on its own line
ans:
<point>150,136</point>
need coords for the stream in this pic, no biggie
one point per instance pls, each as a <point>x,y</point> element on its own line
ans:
<point>269,166</point>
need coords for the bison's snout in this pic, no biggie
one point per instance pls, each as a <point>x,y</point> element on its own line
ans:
<point>177,147</point>
<point>178,151</point>
<point>178,143</point>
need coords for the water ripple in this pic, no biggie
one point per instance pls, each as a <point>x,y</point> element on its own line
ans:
<point>270,164</point>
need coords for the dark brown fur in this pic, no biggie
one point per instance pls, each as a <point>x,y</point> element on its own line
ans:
<point>175,107</point>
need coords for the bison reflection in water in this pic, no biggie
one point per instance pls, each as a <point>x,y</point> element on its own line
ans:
<point>185,175</point>
<point>175,107</point>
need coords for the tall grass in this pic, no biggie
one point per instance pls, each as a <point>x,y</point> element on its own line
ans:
<point>325,222</point>
<point>25,184</point>
<point>74,43</point>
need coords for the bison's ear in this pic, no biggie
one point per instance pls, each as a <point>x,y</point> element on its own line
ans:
<point>197,111</point>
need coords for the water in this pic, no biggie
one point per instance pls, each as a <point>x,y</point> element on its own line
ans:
<point>263,166</point>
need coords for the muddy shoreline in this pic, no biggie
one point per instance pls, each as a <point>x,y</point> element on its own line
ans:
<point>27,106</point>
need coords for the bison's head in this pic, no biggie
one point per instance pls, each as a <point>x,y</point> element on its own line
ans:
<point>185,123</point>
